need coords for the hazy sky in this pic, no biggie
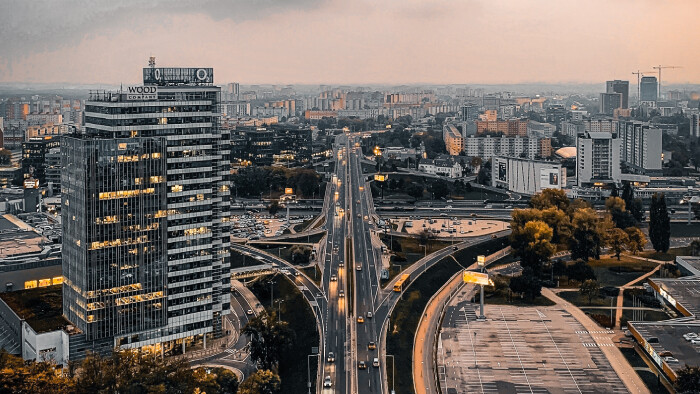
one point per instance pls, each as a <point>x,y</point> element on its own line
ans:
<point>352,41</point>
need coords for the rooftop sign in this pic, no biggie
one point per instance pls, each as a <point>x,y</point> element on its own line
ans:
<point>178,76</point>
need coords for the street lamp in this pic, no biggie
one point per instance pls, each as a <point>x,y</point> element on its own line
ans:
<point>279,309</point>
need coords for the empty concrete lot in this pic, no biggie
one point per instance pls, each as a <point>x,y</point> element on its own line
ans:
<point>521,350</point>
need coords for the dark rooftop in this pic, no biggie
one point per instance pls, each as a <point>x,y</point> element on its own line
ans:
<point>670,339</point>
<point>42,308</point>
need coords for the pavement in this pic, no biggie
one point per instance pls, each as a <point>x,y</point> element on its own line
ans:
<point>620,296</point>
<point>622,368</point>
<point>462,227</point>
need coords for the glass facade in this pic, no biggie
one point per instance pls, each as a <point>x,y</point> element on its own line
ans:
<point>177,196</point>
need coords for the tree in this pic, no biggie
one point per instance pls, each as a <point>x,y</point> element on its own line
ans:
<point>18,376</point>
<point>527,284</point>
<point>439,188</point>
<point>301,254</point>
<point>216,380</point>
<point>269,338</point>
<point>425,236</point>
<point>560,223</point>
<point>617,240</point>
<point>484,175</point>
<point>636,239</point>
<point>5,156</point>
<point>688,380</point>
<point>613,191</point>
<point>588,236</point>
<point>274,207</point>
<point>659,223</point>
<point>580,272</point>
<point>619,215</point>
<point>415,190</point>
<point>636,208</point>
<point>261,382</point>
<point>550,198</point>
<point>590,288</point>
<point>614,203</point>
<point>534,245</point>
<point>695,247</point>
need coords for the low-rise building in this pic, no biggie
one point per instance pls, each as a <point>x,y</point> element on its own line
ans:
<point>443,165</point>
<point>454,141</point>
<point>526,176</point>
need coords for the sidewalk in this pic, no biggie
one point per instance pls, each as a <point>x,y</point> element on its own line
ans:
<point>424,341</point>
<point>622,368</point>
<point>621,294</point>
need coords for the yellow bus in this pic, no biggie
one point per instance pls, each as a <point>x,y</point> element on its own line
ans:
<point>402,283</point>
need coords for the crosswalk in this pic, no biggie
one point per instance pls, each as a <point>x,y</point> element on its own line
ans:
<point>595,332</point>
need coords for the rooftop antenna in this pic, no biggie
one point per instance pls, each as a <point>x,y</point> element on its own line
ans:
<point>152,62</point>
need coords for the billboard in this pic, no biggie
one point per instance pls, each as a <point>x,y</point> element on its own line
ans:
<point>502,171</point>
<point>288,190</point>
<point>178,76</point>
<point>549,178</point>
<point>134,93</point>
<point>479,278</point>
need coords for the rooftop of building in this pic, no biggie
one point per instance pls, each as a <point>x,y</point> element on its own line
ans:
<point>683,292</point>
<point>666,339</point>
<point>690,263</point>
<point>41,308</point>
<point>18,237</point>
<point>566,152</point>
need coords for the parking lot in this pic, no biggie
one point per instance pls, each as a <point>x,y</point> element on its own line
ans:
<point>452,227</point>
<point>258,226</point>
<point>521,350</point>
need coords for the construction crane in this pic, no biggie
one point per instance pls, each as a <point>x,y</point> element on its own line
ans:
<point>639,92</point>
<point>659,68</point>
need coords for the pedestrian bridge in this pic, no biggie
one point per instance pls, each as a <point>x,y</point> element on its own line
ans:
<point>253,271</point>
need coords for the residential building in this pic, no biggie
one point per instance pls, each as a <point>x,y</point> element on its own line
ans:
<point>621,87</point>
<point>146,215</point>
<point>454,141</point>
<point>469,112</point>
<point>540,130</point>
<point>641,147</point>
<point>526,176</point>
<point>572,128</point>
<point>34,156</point>
<point>597,159</point>
<point>544,149</point>
<point>510,128</point>
<point>488,147</point>
<point>609,102</point>
<point>694,119</point>
<point>443,165</point>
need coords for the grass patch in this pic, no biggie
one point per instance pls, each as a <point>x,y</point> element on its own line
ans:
<point>670,255</point>
<point>649,378</point>
<point>611,272</point>
<point>297,312</point>
<point>405,316</point>
<point>42,307</point>
<point>503,299</point>
<point>578,299</point>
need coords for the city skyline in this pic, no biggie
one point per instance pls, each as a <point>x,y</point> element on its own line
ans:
<point>337,42</point>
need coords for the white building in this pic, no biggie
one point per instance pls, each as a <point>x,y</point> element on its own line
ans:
<point>597,159</point>
<point>488,147</point>
<point>526,176</point>
<point>641,147</point>
<point>572,128</point>
<point>444,166</point>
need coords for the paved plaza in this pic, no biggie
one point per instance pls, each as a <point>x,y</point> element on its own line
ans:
<point>521,350</point>
<point>453,227</point>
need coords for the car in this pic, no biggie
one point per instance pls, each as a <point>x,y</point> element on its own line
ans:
<point>494,236</point>
<point>361,365</point>
<point>358,201</point>
<point>454,248</point>
<point>369,315</point>
<point>359,216</point>
<point>334,278</point>
<point>331,357</point>
<point>375,362</point>
<point>341,293</point>
<point>360,319</point>
<point>327,382</point>
<point>296,273</point>
<point>341,264</point>
<point>366,217</point>
<point>249,312</point>
<point>443,214</point>
<point>371,346</point>
<point>359,267</point>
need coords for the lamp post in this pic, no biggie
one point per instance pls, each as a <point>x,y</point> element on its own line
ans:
<point>480,261</point>
<point>279,309</point>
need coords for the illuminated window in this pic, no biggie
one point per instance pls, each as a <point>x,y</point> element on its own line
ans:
<point>137,181</point>
<point>134,133</point>
<point>200,197</point>
<point>176,188</point>
<point>90,318</point>
<point>163,121</point>
<point>30,284</point>
<point>155,156</point>
<point>44,282</point>
<point>156,179</point>
<point>122,146</point>
<point>57,280</point>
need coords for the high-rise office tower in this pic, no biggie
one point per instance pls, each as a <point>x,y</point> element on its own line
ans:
<point>641,147</point>
<point>146,210</point>
<point>622,87</point>
<point>649,89</point>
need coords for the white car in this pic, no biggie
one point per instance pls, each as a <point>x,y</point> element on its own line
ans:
<point>327,382</point>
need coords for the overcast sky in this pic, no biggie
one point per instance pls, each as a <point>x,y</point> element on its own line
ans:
<point>351,41</point>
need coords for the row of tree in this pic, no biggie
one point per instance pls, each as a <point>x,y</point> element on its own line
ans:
<point>253,181</point>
